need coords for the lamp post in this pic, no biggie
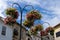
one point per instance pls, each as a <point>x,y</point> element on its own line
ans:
<point>49,26</point>
<point>21,11</point>
<point>42,24</point>
<point>47,23</point>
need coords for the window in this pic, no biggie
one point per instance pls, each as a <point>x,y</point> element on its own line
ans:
<point>15,32</point>
<point>58,34</point>
<point>28,38</point>
<point>3,30</point>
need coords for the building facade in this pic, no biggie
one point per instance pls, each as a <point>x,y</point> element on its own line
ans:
<point>11,32</point>
<point>57,32</point>
<point>5,31</point>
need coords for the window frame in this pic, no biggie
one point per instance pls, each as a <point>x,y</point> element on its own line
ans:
<point>3,30</point>
<point>58,34</point>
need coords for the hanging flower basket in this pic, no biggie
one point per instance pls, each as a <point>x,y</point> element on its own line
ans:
<point>28,23</point>
<point>50,30</point>
<point>39,27</point>
<point>33,15</point>
<point>12,12</point>
<point>9,20</point>
<point>33,31</point>
<point>46,33</point>
<point>43,33</point>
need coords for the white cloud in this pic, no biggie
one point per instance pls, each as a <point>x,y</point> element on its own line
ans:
<point>56,10</point>
<point>52,5</point>
<point>3,6</point>
<point>53,22</point>
<point>49,3</point>
<point>32,2</point>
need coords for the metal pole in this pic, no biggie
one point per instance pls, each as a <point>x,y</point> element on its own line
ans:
<point>21,11</point>
<point>49,26</point>
<point>21,18</point>
<point>47,23</point>
<point>42,24</point>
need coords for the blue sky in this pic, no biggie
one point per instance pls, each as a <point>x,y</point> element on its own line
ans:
<point>49,9</point>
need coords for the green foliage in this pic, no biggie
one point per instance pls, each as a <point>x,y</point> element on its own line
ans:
<point>39,27</point>
<point>33,32</point>
<point>28,23</point>
<point>12,12</point>
<point>52,32</point>
<point>33,15</point>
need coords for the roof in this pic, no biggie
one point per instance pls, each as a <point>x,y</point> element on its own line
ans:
<point>57,26</point>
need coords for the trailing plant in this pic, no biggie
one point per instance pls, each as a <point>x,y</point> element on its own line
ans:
<point>28,23</point>
<point>9,20</point>
<point>12,12</point>
<point>43,33</point>
<point>12,15</point>
<point>39,27</point>
<point>33,31</point>
<point>50,30</point>
<point>33,15</point>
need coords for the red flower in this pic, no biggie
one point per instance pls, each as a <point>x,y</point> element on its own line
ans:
<point>49,29</point>
<point>29,16</point>
<point>6,21</point>
<point>33,15</point>
<point>16,14</point>
<point>9,20</point>
<point>43,33</point>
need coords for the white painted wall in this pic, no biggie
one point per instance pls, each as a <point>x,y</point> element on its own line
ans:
<point>9,32</point>
<point>44,37</point>
<point>35,37</point>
